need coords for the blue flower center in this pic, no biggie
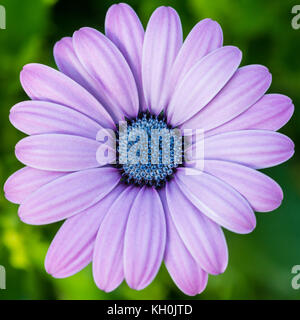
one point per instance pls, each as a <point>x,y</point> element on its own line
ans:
<point>149,150</point>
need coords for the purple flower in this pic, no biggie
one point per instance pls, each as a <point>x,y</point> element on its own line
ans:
<point>127,219</point>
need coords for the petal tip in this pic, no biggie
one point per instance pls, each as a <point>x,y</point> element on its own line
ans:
<point>249,226</point>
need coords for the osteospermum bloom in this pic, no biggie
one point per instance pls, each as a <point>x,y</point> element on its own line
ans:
<point>127,220</point>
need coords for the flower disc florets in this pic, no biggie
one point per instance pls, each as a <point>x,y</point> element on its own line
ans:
<point>149,150</point>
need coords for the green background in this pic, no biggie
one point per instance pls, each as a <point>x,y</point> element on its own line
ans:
<point>259,263</point>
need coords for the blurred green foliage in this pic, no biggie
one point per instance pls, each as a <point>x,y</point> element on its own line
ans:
<point>260,263</point>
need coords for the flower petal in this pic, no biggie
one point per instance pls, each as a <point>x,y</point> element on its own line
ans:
<point>163,39</point>
<point>217,200</point>
<point>27,180</point>
<point>253,148</point>
<point>271,112</point>
<point>263,193</point>
<point>204,38</point>
<point>203,238</point>
<point>69,64</point>
<point>183,268</point>
<point>202,83</point>
<point>68,195</point>
<point>104,62</point>
<point>145,239</point>
<point>246,86</point>
<point>125,30</point>
<point>44,83</point>
<point>58,152</point>
<point>108,254</point>
<point>72,248</point>
<point>37,117</point>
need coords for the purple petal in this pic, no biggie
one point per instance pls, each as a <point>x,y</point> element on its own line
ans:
<point>58,152</point>
<point>263,193</point>
<point>44,83</point>
<point>68,63</point>
<point>217,200</point>
<point>271,112</point>
<point>124,29</point>
<point>145,239</point>
<point>68,195</point>
<point>203,238</point>
<point>104,62</point>
<point>27,180</point>
<point>253,148</point>
<point>37,117</point>
<point>202,83</point>
<point>72,248</point>
<point>108,254</point>
<point>163,39</point>
<point>246,86</point>
<point>183,268</point>
<point>204,38</point>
